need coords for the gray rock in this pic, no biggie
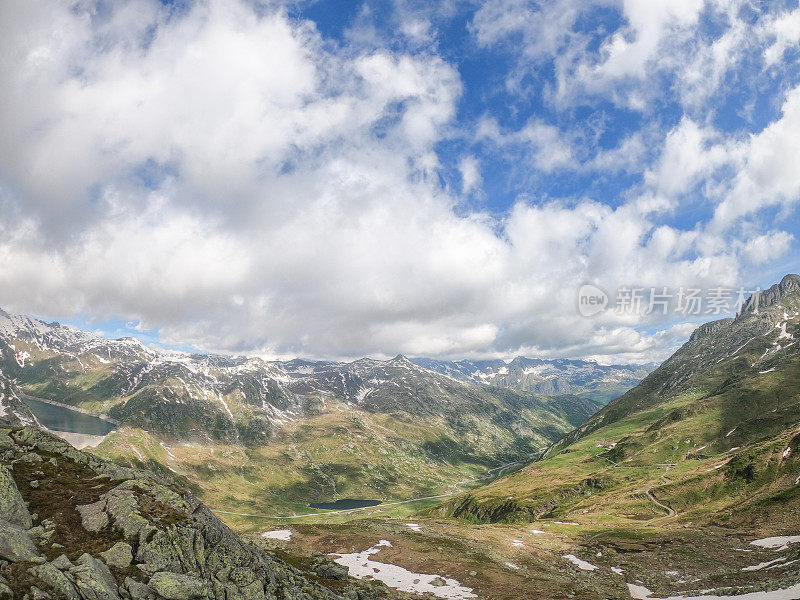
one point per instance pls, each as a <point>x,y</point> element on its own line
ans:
<point>173,586</point>
<point>30,457</point>
<point>6,443</point>
<point>54,580</point>
<point>40,534</point>
<point>15,543</point>
<point>40,594</point>
<point>120,555</point>
<point>12,506</point>
<point>93,580</point>
<point>93,516</point>
<point>122,505</point>
<point>438,582</point>
<point>62,562</point>
<point>328,569</point>
<point>137,590</point>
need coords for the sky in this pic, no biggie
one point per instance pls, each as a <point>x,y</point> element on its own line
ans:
<point>333,179</point>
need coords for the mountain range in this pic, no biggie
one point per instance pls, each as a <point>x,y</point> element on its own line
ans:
<point>300,430</point>
<point>550,377</point>
<point>685,486</point>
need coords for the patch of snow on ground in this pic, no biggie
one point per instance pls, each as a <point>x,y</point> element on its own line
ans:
<point>566,523</point>
<point>639,592</point>
<point>361,566</point>
<point>536,531</point>
<point>776,542</point>
<point>512,566</point>
<point>284,535</point>
<point>581,564</point>
<point>414,527</point>
<point>764,565</point>
<point>617,570</point>
<point>518,543</point>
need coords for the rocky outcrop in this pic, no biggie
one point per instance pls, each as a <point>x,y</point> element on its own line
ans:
<point>772,295</point>
<point>12,506</point>
<point>15,544</point>
<point>103,532</point>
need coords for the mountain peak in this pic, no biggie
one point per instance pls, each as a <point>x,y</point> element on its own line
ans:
<point>772,295</point>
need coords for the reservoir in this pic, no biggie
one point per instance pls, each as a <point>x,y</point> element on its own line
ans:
<point>58,418</point>
<point>345,504</point>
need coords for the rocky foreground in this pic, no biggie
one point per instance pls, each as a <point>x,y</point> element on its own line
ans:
<point>75,527</point>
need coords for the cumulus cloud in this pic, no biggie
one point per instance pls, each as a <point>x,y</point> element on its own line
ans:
<point>470,169</point>
<point>225,175</point>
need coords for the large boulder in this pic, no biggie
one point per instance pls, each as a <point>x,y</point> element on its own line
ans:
<point>15,543</point>
<point>93,516</point>
<point>173,586</point>
<point>120,555</point>
<point>12,506</point>
<point>93,579</point>
<point>53,579</point>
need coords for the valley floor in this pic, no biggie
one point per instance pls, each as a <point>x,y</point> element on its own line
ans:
<point>548,559</point>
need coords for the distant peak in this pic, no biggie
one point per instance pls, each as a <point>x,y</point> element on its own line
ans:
<point>400,358</point>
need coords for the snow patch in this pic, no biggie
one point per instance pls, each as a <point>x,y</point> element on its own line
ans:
<point>581,564</point>
<point>361,566</point>
<point>777,542</point>
<point>284,535</point>
<point>639,592</point>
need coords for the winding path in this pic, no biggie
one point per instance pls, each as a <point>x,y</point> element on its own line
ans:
<point>670,511</point>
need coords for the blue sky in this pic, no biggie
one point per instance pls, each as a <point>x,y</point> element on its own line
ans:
<point>337,179</point>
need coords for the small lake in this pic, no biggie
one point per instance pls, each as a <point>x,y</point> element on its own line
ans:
<point>59,418</point>
<point>345,504</point>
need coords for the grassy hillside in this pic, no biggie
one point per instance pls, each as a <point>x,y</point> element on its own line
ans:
<point>710,434</point>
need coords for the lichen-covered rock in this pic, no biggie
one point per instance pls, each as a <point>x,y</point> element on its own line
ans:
<point>54,580</point>
<point>172,549</point>
<point>93,516</point>
<point>62,563</point>
<point>123,507</point>
<point>180,549</point>
<point>6,443</point>
<point>15,543</point>
<point>173,586</point>
<point>136,590</point>
<point>93,579</point>
<point>120,555</point>
<point>12,506</point>
<point>327,569</point>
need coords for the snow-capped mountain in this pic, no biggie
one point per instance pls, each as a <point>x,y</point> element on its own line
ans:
<point>548,377</point>
<point>247,399</point>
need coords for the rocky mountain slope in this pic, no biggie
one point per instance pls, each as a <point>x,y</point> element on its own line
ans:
<point>582,378</point>
<point>711,435</point>
<point>255,434</point>
<point>76,527</point>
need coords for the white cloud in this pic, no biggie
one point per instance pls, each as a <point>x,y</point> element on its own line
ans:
<point>691,154</point>
<point>241,184</point>
<point>764,248</point>
<point>470,169</point>
<point>767,173</point>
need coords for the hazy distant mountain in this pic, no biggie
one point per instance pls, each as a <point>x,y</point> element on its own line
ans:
<point>370,426</point>
<point>549,377</point>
